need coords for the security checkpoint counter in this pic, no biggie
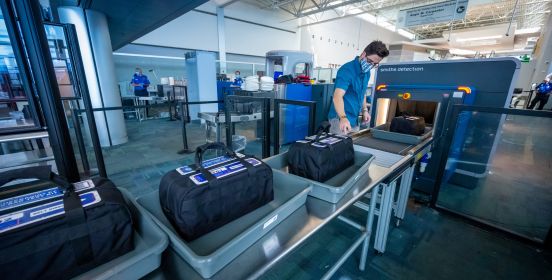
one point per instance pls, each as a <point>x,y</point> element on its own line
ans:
<point>383,177</point>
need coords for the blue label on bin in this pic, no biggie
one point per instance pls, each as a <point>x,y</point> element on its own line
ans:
<point>224,170</point>
<point>42,212</point>
<point>54,192</point>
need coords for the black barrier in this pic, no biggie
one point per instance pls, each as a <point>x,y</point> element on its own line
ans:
<point>265,115</point>
<point>186,119</point>
<point>312,116</point>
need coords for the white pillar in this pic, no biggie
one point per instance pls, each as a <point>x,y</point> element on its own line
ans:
<point>97,58</point>
<point>221,39</point>
<point>544,54</point>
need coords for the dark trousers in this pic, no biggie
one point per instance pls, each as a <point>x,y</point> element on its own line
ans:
<point>141,92</point>
<point>541,98</point>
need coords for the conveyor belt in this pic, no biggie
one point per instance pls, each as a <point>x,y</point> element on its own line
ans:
<point>384,145</point>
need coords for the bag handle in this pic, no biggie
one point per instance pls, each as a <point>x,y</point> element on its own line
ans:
<point>324,127</point>
<point>43,172</point>
<point>215,146</point>
<point>210,146</point>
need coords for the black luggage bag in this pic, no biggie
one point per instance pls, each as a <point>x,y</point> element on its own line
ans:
<point>321,157</point>
<point>412,125</point>
<point>200,198</point>
<point>47,232</point>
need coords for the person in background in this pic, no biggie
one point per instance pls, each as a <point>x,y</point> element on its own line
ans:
<point>238,81</point>
<point>351,82</point>
<point>140,83</point>
<point>544,90</point>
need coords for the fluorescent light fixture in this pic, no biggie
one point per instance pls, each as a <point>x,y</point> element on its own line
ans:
<point>461,52</point>
<point>406,34</point>
<point>386,25</point>
<point>149,55</point>
<point>527,30</point>
<point>355,11</point>
<point>333,3</point>
<point>478,38</point>
<point>309,10</point>
<point>368,17</point>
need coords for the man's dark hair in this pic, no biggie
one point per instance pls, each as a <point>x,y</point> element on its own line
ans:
<point>378,48</point>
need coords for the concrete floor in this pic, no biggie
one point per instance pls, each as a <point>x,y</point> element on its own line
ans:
<point>427,245</point>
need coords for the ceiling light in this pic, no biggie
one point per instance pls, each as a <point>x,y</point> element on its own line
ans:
<point>354,11</point>
<point>478,38</point>
<point>527,30</point>
<point>368,18</point>
<point>149,55</point>
<point>406,34</point>
<point>461,52</point>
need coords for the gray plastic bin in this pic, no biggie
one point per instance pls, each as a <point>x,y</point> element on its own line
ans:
<point>333,189</point>
<point>212,251</point>
<point>149,243</point>
<point>382,132</point>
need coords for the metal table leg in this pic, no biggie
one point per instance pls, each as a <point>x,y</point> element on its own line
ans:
<point>343,258</point>
<point>404,192</point>
<point>386,207</point>
<point>369,224</point>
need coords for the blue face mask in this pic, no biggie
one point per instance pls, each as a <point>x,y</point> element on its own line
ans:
<point>365,66</point>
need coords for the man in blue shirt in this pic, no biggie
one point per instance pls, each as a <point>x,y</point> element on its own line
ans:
<point>140,83</point>
<point>544,90</point>
<point>350,89</point>
<point>238,81</point>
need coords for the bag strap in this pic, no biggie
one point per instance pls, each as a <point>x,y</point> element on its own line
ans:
<point>324,127</point>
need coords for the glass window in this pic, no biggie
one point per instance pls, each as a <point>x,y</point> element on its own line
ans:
<point>15,112</point>
<point>60,59</point>
<point>300,69</point>
<point>498,171</point>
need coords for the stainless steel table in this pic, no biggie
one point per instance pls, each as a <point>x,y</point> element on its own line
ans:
<point>312,217</point>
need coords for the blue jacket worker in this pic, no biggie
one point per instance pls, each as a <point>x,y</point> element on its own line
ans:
<point>544,90</point>
<point>351,82</point>
<point>238,81</point>
<point>140,83</point>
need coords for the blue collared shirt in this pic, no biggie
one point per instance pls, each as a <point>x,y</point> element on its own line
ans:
<point>140,79</point>
<point>351,79</point>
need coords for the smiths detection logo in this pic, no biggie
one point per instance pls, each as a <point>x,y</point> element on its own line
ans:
<point>402,69</point>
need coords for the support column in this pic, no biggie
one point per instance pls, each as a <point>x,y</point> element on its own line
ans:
<point>543,55</point>
<point>221,39</point>
<point>97,58</point>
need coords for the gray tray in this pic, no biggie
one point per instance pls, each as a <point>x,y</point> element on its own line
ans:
<point>149,243</point>
<point>333,189</point>
<point>382,132</point>
<point>212,251</point>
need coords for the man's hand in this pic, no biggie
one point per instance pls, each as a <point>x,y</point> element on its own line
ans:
<point>344,125</point>
<point>366,116</point>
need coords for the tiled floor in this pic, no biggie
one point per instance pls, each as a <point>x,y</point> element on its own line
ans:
<point>427,245</point>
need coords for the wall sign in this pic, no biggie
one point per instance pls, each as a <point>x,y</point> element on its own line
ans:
<point>433,13</point>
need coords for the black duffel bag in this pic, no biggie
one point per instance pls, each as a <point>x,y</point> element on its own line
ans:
<point>47,232</point>
<point>412,125</point>
<point>321,157</point>
<point>200,198</point>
